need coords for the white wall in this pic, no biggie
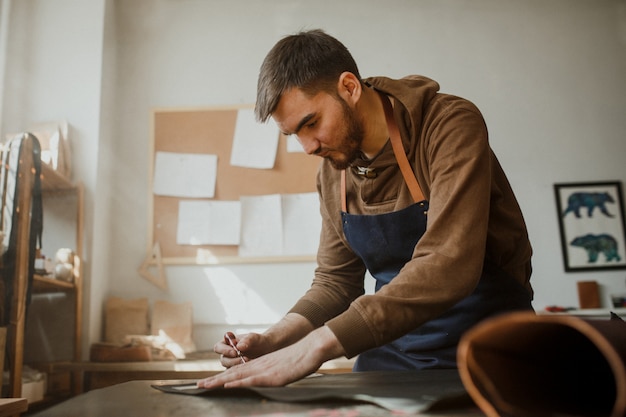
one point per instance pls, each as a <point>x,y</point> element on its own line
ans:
<point>548,76</point>
<point>53,71</point>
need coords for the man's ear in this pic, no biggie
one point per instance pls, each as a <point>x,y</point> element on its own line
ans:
<point>349,87</point>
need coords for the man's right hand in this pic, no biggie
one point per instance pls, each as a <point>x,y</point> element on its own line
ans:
<point>251,345</point>
<point>287,331</point>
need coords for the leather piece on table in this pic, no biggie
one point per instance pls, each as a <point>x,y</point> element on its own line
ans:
<point>407,392</point>
<point>522,364</point>
<point>588,294</point>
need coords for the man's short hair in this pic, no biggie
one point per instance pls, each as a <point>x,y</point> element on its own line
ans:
<point>310,60</point>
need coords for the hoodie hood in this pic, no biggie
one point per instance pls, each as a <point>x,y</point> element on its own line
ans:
<point>412,95</point>
<point>413,92</point>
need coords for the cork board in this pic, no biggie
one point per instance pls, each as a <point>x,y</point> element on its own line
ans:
<point>211,131</point>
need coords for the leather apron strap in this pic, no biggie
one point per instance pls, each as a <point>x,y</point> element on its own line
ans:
<point>398,151</point>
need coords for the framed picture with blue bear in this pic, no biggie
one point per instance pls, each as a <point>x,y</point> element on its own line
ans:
<point>591,223</point>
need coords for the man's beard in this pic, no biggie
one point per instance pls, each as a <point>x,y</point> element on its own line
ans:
<point>350,146</point>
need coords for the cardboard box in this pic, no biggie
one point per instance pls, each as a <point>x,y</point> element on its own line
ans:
<point>34,391</point>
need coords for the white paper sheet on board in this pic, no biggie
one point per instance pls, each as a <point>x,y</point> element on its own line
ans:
<point>254,144</point>
<point>185,175</point>
<point>261,226</point>
<point>293,146</point>
<point>280,225</point>
<point>209,223</point>
<point>301,223</point>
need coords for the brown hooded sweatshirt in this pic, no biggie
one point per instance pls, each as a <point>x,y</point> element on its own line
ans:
<point>473,219</point>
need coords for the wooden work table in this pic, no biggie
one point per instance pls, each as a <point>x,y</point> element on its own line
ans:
<point>140,398</point>
<point>104,374</point>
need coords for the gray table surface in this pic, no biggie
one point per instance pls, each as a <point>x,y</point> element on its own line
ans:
<point>140,399</point>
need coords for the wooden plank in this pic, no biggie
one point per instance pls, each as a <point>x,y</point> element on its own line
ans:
<point>12,406</point>
<point>3,343</point>
<point>25,182</point>
<point>52,181</point>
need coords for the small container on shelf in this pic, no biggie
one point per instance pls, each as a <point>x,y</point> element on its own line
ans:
<point>618,300</point>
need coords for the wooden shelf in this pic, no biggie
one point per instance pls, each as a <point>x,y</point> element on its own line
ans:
<point>43,284</point>
<point>12,406</point>
<point>602,313</point>
<point>52,181</point>
<point>55,185</point>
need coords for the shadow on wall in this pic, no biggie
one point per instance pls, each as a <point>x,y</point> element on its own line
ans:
<point>241,304</point>
<point>242,308</point>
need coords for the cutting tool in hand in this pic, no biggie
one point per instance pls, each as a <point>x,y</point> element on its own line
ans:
<point>230,338</point>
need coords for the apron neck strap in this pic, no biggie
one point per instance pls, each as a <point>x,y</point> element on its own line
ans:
<point>398,150</point>
<point>344,205</point>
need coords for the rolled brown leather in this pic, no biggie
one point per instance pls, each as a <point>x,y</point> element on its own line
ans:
<point>523,364</point>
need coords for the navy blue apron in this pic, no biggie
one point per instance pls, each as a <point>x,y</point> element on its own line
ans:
<point>385,243</point>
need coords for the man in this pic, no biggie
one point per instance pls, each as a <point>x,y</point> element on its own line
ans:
<point>410,191</point>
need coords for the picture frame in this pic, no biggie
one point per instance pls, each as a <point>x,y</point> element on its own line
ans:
<point>591,225</point>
